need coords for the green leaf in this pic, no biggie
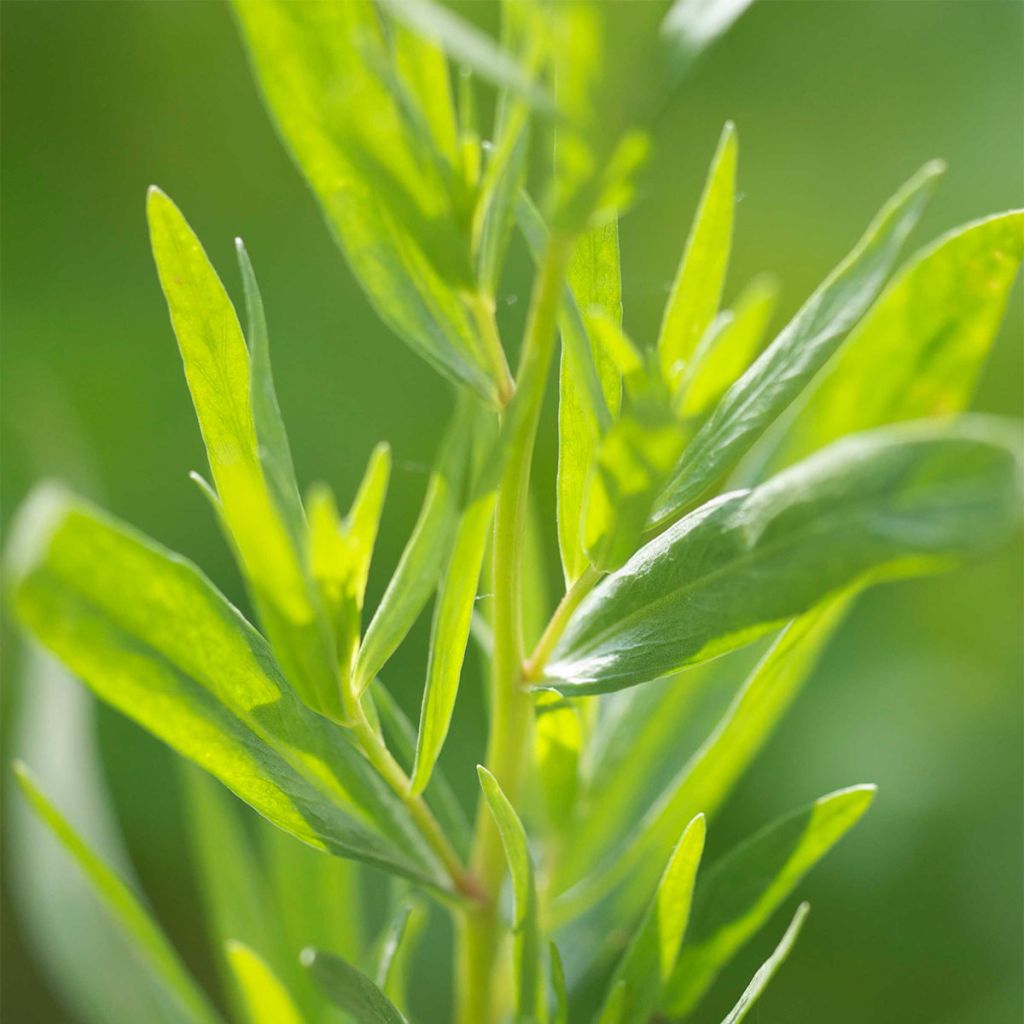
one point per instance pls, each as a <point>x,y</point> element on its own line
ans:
<point>340,551</point>
<point>707,778</point>
<point>902,498</point>
<point>350,989</point>
<point>561,1014</point>
<point>697,290</point>
<point>558,745</point>
<point>651,955</point>
<point>266,999</point>
<point>691,26</point>
<point>450,635</point>
<point>395,948</point>
<point>741,891</point>
<point>425,553</point>
<point>921,347</point>
<point>125,906</point>
<point>789,363</point>
<point>727,348</point>
<point>351,123</point>
<point>149,634</point>
<point>529,991</point>
<point>595,285</point>
<point>274,451</point>
<point>231,884</point>
<point>219,379</point>
<point>767,970</point>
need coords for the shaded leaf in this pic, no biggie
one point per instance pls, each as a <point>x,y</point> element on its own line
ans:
<point>789,363</point>
<point>902,498</point>
<point>350,989</point>
<point>125,906</point>
<point>742,890</point>
<point>395,947</point>
<point>561,1014</point>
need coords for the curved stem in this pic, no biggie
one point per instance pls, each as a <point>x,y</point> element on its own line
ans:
<point>479,929</point>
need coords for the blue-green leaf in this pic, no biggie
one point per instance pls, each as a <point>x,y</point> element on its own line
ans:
<point>789,363</point>
<point>902,498</point>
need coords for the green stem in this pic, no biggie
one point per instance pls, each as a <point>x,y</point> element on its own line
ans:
<point>377,753</point>
<point>479,928</point>
<point>534,667</point>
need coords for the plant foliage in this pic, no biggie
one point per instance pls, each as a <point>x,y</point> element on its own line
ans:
<point>713,489</point>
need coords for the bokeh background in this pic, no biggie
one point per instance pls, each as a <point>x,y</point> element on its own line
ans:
<point>918,915</point>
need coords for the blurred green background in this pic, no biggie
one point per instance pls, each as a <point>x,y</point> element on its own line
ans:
<point>918,915</point>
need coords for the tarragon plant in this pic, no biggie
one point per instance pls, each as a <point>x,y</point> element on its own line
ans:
<point>714,492</point>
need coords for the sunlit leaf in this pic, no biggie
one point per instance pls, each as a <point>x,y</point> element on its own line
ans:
<point>920,349</point>
<point>425,553</point>
<point>330,81</point>
<point>651,955</point>
<point>152,637</point>
<point>740,892</point>
<point>901,498</point>
<point>727,348</point>
<point>697,289</point>
<point>220,380</point>
<point>767,970</point>
<point>450,636</point>
<point>350,989</point>
<point>789,363</point>
<point>160,956</point>
<point>267,1001</point>
<point>529,990</point>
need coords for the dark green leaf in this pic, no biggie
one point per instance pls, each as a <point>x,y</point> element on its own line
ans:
<point>898,498</point>
<point>350,989</point>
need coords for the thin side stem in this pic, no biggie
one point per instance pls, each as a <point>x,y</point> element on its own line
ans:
<point>534,666</point>
<point>479,929</point>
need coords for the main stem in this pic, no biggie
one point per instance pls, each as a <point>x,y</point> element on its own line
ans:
<point>479,928</point>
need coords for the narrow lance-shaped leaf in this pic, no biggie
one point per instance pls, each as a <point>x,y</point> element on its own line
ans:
<point>902,498</point>
<point>727,348</point>
<point>395,948</point>
<point>697,290</point>
<point>768,969</point>
<point>741,891</point>
<point>789,363</point>
<point>231,884</point>
<point>125,906</point>
<point>425,553</point>
<point>707,778</point>
<point>328,80</point>
<point>691,26</point>
<point>529,990</point>
<point>651,955</point>
<point>920,349</point>
<point>339,551</point>
<point>149,634</point>
<point>350,989</point>
<point>219,378</point>
<point>450,635</point>
<point>561,1011</point>
<point>267,1001</point>
<point>274,451</point>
